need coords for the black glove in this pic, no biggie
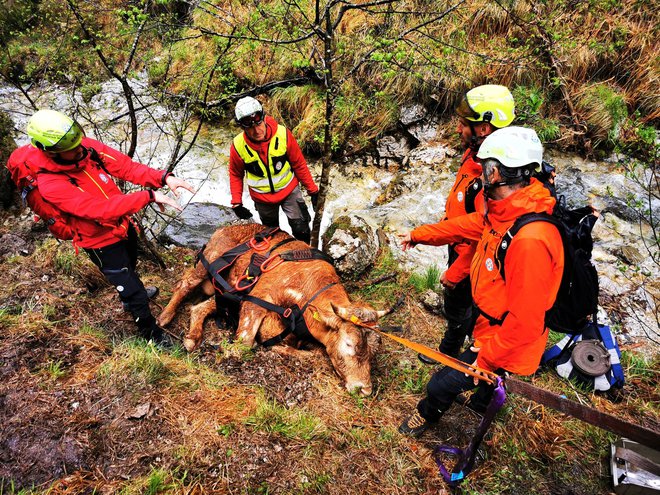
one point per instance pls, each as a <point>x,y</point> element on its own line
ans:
<point>315,199</point>
<point>242,212</point>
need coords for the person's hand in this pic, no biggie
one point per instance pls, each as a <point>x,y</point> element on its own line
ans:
<point>161,200</point>
<point>175,183</point>
<point>242,212</point>
<point>474,365</point>
<point>406,241</point>
<point>446,282</point>
<point>314,199</point>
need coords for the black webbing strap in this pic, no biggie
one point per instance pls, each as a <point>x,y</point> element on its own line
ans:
<point>293,317</point>
<point>492,321</point>
<point>227,259</point>
<point>306,255</point>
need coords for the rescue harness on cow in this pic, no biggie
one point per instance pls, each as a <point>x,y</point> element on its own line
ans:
<point>228,297</point>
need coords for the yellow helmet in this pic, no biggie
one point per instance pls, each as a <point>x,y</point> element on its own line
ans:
<point>489,103</point>
<point>50,130</point>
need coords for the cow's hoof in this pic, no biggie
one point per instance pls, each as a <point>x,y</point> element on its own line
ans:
<point>189,344</point>
<point>163,320</point>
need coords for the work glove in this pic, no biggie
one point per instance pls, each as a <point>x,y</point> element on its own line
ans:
<point>242,212</point>
<point>315,199</point>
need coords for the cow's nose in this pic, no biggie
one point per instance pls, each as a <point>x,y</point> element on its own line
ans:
<point>359,387</point>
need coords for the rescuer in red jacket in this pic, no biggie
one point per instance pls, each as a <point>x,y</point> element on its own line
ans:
<point>75,174</point>
<point>268,158</point>
<point>534,266</point>
<point>481,111</point>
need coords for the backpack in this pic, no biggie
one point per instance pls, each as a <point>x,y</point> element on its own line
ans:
<point>577,298</point>
<point>25,178</point>
<point>592,359</point>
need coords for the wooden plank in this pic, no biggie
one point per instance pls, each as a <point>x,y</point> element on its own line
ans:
<point>606,421</point>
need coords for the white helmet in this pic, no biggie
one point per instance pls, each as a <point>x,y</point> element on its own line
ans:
<point>247,106</point>
<point>513,147</point>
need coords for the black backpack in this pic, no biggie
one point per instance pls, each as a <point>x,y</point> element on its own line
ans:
<point>577,298</point>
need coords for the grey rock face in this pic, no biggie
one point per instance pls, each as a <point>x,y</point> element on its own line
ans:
<point>353,245</point>
<point>196,224</point>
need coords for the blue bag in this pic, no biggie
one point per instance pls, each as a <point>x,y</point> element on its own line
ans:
<point>571,357</point>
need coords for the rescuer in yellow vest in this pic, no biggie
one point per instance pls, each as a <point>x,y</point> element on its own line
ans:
<point>270,160</point>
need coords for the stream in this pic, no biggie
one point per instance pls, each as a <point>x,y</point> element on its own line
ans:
<point>630,285</point>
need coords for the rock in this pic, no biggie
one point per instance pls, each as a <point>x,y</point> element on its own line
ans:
<point>412,114</point>
<point>432,301</point>
<point>11,244</point>
<point>353,245</point>
<point>392,149</point>
<point>424,131</point>
<point>196,224</point>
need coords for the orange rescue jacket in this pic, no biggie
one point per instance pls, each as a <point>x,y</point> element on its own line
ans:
<point>465,184</point>
<point>533,265</point>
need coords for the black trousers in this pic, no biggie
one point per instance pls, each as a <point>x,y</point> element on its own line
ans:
<point>459,312</point>
<point>117,262</point>
<point>446,384</point>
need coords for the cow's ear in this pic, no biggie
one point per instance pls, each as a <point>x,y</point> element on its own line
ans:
<point>329,319</point>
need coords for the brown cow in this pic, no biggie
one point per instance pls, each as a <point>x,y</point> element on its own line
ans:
<point>350,347</point>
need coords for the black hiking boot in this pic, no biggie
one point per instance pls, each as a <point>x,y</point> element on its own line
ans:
<point>426,360</point>
<point>152,292</point>
<point>414,425</point>
<point>158,336</point>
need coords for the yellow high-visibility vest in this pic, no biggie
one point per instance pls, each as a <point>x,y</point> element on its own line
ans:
<point>259,177</point>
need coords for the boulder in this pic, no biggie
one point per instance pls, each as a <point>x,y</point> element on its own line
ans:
<point>353,245</point>
<point>195,225</point>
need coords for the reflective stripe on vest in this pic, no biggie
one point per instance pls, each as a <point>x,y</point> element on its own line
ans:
<point>277,175</point>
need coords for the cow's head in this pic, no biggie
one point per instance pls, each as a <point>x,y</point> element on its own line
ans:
<point>350,345</point>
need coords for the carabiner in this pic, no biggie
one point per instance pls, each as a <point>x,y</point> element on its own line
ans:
<point>259,246</point>
<point>271,263</point>
<point>239,287</point>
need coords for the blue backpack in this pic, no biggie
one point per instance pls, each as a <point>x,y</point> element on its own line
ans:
<point>591,358</point>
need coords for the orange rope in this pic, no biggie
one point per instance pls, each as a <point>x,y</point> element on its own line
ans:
<point>481,374</point>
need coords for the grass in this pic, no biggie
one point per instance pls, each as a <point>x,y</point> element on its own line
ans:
<point>276,419</point>
<point>135,363</point>
<point>429,280</point>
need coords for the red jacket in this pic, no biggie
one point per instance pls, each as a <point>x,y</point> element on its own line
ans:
<point>533,266</point>
<point>466,177</point>
<point>94,206</point>
<point>296,160</point>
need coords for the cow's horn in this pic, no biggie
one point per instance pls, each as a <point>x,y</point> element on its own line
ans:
<point>395,306</point>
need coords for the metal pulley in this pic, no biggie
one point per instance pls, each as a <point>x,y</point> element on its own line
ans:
<point>591,358</point>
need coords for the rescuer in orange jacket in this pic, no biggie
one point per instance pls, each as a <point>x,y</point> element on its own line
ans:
<point>482,111</point>
<point>533,265</point>
<point>75,174</point>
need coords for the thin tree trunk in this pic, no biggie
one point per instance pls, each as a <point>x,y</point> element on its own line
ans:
<point>327,131</point>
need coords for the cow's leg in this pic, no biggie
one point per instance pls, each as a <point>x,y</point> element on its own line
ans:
<point>286,350</point>
<point>249,322</point>
<point>190,280</point>
<point>198,314</point>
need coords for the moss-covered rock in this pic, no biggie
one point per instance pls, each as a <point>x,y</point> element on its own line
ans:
<point>353,245</point>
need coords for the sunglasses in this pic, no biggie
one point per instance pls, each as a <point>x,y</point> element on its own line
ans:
<point>251,120</point>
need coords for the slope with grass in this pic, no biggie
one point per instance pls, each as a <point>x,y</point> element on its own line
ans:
<point>86,407</point>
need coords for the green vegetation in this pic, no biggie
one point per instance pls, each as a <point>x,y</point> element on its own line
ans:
<point>135,363</point>
<point>429,280</point>
<point>274,418</point>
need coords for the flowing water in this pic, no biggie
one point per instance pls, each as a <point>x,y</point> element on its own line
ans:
<point>628,274</point>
